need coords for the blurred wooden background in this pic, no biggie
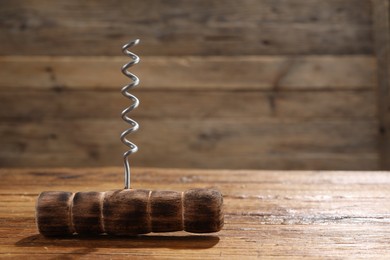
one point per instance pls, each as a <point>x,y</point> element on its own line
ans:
<point>256,84</point>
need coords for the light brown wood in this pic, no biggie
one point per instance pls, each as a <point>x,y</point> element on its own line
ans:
<point>268,214</point>
<point>382,49</point>
<point>216,143</point>
<point>171,28</point>
<point>310,72</point>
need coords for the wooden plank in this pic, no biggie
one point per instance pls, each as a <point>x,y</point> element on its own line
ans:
<point>268,241</point>
<point>268,214</point>
<point>382,49</point>
<point>222,73</point>
<point>186,28</point>
<point>300,182</point>
<point>207,143</point>
<point>31,105</point>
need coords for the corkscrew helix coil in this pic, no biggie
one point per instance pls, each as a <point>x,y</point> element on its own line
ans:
<point>133,124</point>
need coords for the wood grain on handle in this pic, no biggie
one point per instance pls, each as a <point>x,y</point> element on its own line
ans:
<point>129,212</point>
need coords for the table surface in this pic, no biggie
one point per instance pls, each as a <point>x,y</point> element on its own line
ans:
<point>271,214</point>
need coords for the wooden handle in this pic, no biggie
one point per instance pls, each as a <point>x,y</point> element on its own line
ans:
<point>129,212</point>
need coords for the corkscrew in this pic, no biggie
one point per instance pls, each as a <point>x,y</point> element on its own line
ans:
<point>129,211</point>
<point>125,92</point>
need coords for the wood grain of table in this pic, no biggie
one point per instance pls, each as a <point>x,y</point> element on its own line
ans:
<point>268,214</point>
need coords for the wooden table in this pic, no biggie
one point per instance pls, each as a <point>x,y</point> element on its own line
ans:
<point>272,214</point>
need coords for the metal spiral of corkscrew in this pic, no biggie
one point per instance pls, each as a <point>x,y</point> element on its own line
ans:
<point>135,102</point>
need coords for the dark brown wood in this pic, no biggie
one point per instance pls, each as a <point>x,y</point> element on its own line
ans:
<point>381,16</point>
<point>279,112</point>
<point>186,104</point>
<point>223,73</point>
<point>267,143</point>
<point>86,213</point>
<point>289,84</point>
<point>202,211</point>
<point>167,211</point>
<point>53,213</point>
<point>186,27</point>
<point>126,212</point>
<point>129,212</point>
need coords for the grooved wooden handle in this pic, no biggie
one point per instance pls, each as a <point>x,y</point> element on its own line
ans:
<point>129,212</point>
